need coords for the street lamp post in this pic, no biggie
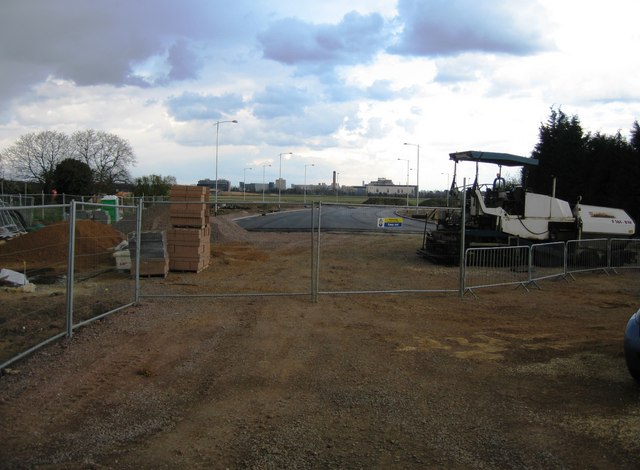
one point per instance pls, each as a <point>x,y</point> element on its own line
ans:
<point>305,181</point>
<point>280,174</point>
<point>407,160</point>
<point>216,183</point>
<point>244,183</point>
<point>417,175</point>
<point>447,187</point>
<point>263,183</point>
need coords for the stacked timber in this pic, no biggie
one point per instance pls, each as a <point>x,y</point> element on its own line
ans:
<point>189,237</point>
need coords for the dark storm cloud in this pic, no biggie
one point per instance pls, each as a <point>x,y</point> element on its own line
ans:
<point>96,42</point>
<point>194,106</point>
<point>356,39</point>
<point>183,61</point>
<point>450,27</point>
<point>423,28</point>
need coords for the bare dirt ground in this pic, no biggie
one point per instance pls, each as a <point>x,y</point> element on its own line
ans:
<point>511,379</point>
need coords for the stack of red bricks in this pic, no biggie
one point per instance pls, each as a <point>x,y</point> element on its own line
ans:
<point>188,241</point>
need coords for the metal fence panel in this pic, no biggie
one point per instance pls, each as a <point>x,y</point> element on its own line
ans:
<point>587,255</point>
<point>40,311</point>
<point>496,266</point>
<point>17,200</point>
<point>342,248</point>
<point>373,249</point>
<point>34,311</point>
<point>624,253</point>
<point>102,274</point>
<point>249,251</point>
<point>548,260</point>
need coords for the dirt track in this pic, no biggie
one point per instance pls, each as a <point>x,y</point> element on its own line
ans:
<point>512,379</point>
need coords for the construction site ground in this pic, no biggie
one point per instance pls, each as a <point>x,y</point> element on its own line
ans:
<point>508,379</point>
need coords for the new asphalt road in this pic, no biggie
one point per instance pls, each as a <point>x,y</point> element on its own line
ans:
<point>333,218</point>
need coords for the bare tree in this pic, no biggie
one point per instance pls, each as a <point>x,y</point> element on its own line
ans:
<point>35,156</point>
<point>108,156</point>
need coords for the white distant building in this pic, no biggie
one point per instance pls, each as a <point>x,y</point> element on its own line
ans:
<point>385,187</point>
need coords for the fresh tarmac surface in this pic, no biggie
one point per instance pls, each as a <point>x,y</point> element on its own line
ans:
<point>333,218</point>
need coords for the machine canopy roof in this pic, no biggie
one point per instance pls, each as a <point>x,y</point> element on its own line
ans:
<point>505,159</point>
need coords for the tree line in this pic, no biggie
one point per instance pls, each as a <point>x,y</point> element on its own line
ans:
<point>85,162</point>
<point>598,169</point>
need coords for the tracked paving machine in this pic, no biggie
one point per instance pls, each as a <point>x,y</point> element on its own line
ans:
<point>497,214</point>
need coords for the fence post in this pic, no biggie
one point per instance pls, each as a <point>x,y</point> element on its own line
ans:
<point>70,267</point>
<point>463,224</point>
<point>136,262</point>
<point>318,251</point>
<point>530,266</point>
<point>565,261</point>
<point>312,258</point>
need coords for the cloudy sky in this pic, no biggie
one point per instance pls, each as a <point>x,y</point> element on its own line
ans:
<point>341,85</point>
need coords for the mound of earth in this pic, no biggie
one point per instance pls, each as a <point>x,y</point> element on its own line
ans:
<point>48,247</point>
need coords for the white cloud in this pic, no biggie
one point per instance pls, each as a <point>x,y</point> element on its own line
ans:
<point>342,85</point>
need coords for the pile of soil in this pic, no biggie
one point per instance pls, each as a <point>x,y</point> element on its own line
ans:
<point>48,247</point>
<point>224,229</point>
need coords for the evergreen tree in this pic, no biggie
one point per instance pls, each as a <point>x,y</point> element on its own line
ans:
<point>561,154</point>
<point>635,137</point>
<point>631,175</point>
<point>73,177</point>
<point>597,169</point>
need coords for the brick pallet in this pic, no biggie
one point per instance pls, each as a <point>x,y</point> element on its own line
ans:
<point>189,248</point>
<point>188,241</point>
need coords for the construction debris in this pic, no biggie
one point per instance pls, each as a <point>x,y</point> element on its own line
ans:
<point>15,282</point>
<point>12,223</point>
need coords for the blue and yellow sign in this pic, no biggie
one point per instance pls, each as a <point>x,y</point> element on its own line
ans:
<point>389,222</point>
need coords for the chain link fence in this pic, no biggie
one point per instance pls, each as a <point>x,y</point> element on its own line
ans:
<point>260,260</point>
<point>59,273</point>
<point>382,258</point>
<point>87,260</point>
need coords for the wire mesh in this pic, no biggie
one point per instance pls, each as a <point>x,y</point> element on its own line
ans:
<point>102,275</point>
<point>250,254</point>
<point>373,249</point>
<point>36,312</point>
<point>33,308</point>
